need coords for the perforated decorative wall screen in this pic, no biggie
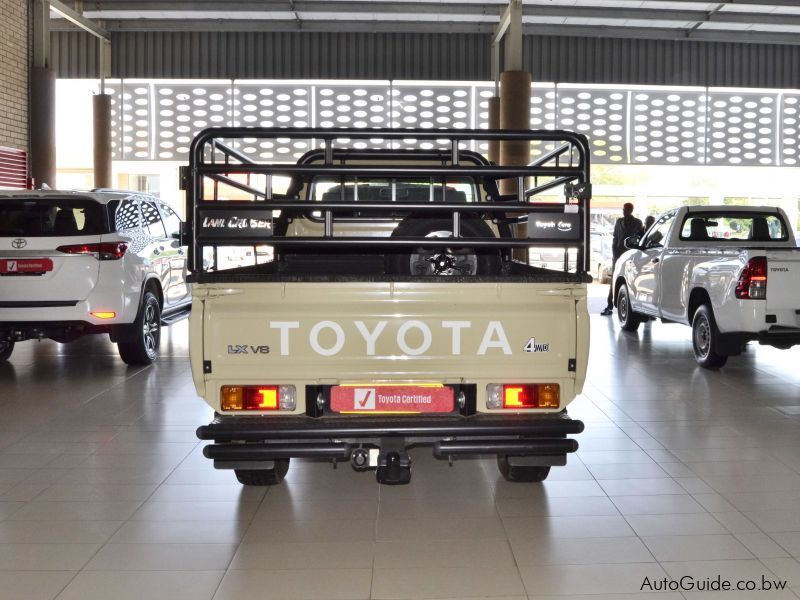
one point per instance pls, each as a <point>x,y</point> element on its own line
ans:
<point>156,120</point>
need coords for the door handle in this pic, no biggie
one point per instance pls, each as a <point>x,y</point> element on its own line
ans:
<point>181,252</point>
<point>655,260</point>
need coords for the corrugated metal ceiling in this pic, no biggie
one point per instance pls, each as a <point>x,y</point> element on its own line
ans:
<point>453,57</point>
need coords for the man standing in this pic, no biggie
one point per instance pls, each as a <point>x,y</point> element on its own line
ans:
<point>625,227</point>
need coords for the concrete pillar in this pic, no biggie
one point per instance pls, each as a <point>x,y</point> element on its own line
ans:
<point>515,113</point>
<point>494,123</point>
<point>101,118</point>
<point>43,126</point>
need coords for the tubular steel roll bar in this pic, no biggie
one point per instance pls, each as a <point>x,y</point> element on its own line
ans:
<point>208,146</point>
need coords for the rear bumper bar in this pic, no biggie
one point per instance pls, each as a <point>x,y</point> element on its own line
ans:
<point>258,429</point>
<point>27,330</point>
<point>269,438</point>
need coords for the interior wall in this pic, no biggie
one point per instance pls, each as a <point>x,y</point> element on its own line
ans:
<point>14,64</point>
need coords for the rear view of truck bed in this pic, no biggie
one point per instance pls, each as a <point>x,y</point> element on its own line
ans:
<point>385,324</point>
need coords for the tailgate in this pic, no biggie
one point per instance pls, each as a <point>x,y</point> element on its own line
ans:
<point>783,280</point>
<point>381,331</point>
<point>39,273</point>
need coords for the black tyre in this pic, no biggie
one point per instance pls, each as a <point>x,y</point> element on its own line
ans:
<point>140,345</point>
<point>521,473</point>
<point>628,319</point>
<point>261,477</point>
<point>6,348</point>
<point>705,339</point>
<point>442,261</point>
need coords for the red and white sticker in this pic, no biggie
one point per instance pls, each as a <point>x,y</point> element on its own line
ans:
<point>26,265</point>
<point>391,398</point>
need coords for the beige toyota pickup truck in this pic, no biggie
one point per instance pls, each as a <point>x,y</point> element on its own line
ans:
<point>392,306</point>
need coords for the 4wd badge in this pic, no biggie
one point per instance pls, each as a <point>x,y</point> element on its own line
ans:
<point>532,346</point>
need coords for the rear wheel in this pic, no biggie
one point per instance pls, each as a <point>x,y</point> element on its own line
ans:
<point>261,477</point>
<point>6,348</point>
<point>520,473</point>
<point>705,339</point>
<point>628,319</point>
<point>140,346</point>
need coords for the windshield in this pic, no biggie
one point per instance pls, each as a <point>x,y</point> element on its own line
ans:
<point>51,217</point>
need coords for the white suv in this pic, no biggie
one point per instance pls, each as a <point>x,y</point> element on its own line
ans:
<point>74,263</point>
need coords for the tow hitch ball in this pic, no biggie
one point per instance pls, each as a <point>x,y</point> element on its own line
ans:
<point>392,462</point>
<point>394,468</point>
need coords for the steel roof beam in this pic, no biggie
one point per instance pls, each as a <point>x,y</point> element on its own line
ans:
<point>78,19</point>
<point>376,11</point>
<point>488,7</point>
<point>711,35</point>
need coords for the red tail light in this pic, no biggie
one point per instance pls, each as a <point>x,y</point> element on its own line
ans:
<point>104,251</point>
<point>517,396</point>
<point>752,284</point>
<point>258,397</point>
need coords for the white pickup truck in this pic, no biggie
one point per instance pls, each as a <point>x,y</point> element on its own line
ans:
<point>731,272</point>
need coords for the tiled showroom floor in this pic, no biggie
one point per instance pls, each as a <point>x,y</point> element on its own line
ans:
<point>104,493</point>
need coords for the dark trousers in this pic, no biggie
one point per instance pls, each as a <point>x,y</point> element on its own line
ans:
<point>611,286</point>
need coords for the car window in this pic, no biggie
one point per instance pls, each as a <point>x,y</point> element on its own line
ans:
<point>172,221</point>
<point>42,217</point>
<point>395,190</point>
<point>733,227</point>
<point>125,214</point>
<point>152,220</point>
<point>657,234</point>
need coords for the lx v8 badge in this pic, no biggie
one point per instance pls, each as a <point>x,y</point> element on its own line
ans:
<point>245,349</point>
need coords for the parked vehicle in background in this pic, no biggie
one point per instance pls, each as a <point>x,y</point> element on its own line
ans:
<point>77,263</point>
<point>394,313</point>
<point>731,272</point>
<point>602,257</point>
<point>555,259</point>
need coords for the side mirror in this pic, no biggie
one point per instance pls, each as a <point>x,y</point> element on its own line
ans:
<point>632,242</point>
<point>176,236</point>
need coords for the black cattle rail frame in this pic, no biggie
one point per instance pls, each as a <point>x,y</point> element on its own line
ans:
<point>213,160</point>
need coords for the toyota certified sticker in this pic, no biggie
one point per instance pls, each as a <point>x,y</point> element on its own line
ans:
<point>392,398</point>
